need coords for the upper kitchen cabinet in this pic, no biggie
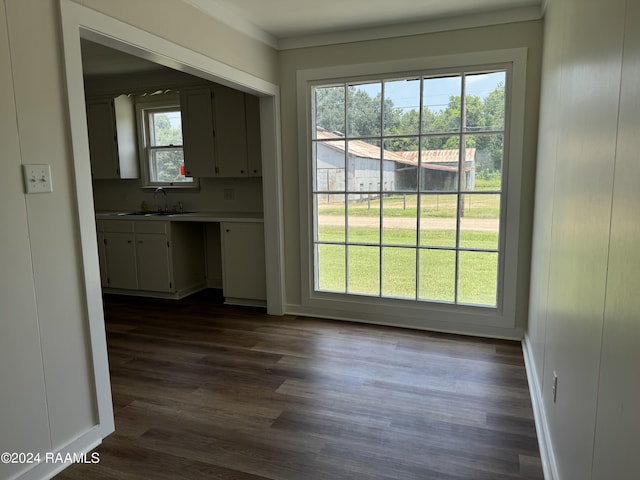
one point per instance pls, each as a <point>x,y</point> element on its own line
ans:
<point>112,138</point>
<point>254,145</point>
<point>221,133</point>
<point>197,133</point>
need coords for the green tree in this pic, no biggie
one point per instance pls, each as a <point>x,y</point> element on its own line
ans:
<point>402,122</point>
<point>165,133</point>
<point>363,113</point>
<point>329,108</point>
<point>494,120</point>
<point>167,163</point>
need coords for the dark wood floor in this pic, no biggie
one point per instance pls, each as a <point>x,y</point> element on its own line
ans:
<point>206,391</point>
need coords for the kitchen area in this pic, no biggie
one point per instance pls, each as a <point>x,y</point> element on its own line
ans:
<point>169,237</point>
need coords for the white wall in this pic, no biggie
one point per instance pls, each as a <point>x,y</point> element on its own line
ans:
<point>52,381</point>
<point>583,319</point>
<point>55,335</point>
<point>23,402</point>
<point>509,36</point>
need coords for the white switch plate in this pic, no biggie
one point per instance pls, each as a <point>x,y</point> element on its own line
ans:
<point>37,178</point>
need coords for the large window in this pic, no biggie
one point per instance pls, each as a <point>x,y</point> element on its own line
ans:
<point>161,143</point>
<point>407,186</point>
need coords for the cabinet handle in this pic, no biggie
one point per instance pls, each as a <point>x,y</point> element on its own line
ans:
<point>227,230</point>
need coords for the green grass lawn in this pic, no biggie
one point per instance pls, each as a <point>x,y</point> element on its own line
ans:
<point>431,276</point>
<point>431,205</point>
<point>437,268</point>
<point>406,236</point>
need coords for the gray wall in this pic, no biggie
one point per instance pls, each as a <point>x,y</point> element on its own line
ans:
<point>584,305</point>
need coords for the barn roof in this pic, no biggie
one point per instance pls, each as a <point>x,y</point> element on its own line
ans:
<point>431,159</point>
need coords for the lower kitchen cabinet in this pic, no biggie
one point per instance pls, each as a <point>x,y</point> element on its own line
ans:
<point>120,259</point>
<point>243,263</point>
<point>151,258</point>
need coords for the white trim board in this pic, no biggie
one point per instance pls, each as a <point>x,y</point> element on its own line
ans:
<point>398,319</point>
<point>547,455</point>
<point>81,445</point>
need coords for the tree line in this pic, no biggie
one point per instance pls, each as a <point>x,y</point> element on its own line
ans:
<point>367,115</point>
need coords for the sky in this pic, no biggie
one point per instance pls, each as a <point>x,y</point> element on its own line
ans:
<point>406,93</point>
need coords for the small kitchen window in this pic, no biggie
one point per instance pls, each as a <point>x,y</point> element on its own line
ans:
<point>161,150</point>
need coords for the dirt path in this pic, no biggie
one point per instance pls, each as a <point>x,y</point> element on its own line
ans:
<point>478,224</point>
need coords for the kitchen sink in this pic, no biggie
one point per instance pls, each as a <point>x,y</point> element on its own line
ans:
<point>132,213</point>
<point>153,214</point>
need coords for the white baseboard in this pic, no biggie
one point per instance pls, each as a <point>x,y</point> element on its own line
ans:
<point>399,319</point>
<point>547,456</point>
<point>178,295</point>
<point>245,302</point>
<point>46,470</point>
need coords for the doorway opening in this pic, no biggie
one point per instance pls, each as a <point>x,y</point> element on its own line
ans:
<point>79,22</point>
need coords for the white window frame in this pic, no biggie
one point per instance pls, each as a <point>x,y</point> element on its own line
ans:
<point>143,105</point>
<point>421,314</point>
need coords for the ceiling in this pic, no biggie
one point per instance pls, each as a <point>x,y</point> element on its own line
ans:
<point>296,23</point>
<point>291,19</point>
<point>98,60</point>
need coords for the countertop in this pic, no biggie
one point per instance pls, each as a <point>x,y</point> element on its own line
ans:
<point>182,217</point>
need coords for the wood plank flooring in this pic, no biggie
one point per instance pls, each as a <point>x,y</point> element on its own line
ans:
<point>207,391</point>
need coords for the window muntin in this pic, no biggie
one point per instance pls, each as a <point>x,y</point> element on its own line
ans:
<point>161,150</point>
<point>392,215</point>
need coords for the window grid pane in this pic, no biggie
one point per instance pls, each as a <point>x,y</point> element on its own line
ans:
<point>163,145</point>
<point>165,128</point>
<point>407,200</point>
<point>398,280</point>
<point>332,268</point>
<point>167,165</point>
<point>363,270</point>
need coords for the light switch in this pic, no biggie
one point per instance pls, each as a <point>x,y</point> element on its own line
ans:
<point>37,178</point>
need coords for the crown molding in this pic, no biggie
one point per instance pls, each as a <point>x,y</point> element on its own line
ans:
<point>415,28</point>
<point>234,20</point>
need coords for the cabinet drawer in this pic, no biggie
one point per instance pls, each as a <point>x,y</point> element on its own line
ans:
<point>117,226</point>
<point>152,227</point>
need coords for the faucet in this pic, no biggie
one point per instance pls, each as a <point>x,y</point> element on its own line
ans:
<point>161,190</point>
